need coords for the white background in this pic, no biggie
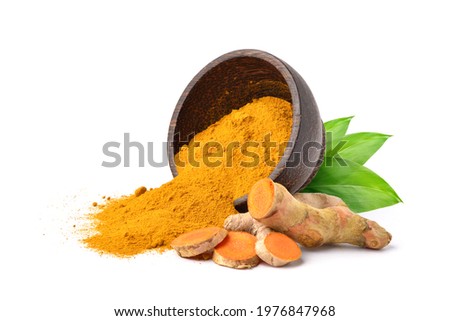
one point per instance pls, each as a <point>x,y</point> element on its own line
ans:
<point>76,74</point>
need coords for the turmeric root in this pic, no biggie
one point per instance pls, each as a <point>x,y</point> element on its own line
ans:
<point>274,248</point>
<point>330,222</point>
<point>237,251</point>
<point>199,243</point>
<point>319,200</point>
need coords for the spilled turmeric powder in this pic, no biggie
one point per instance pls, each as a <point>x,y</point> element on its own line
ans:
<point>211,175</point>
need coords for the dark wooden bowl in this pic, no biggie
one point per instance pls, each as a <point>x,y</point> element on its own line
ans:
<point>235,79</point>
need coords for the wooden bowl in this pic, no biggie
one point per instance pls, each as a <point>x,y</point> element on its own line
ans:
<point>235,79</point>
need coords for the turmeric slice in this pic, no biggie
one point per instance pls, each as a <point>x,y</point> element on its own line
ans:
<point>199,243</point>
<point>278,249</point>
<point>274,248</point>
<point>237,251</point>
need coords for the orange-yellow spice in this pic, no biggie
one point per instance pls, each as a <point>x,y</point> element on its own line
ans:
<point>199,196</point>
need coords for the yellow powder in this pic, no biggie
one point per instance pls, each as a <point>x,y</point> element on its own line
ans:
<point>202,194</point>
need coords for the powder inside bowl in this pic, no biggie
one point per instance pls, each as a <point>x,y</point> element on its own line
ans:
<point>219,165</point>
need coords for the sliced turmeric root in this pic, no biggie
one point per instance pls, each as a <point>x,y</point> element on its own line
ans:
<point>237,251</point>
<point>277,249</point>
<point>198,242</point>
<point>274,248</point>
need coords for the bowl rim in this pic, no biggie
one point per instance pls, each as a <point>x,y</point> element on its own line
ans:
<point>288,77</point>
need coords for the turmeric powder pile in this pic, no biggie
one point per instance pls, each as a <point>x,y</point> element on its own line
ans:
<point>214,169</point>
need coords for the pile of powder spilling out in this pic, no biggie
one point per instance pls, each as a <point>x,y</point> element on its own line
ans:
<point>201,195</point>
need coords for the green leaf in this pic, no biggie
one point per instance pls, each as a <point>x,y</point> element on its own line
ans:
<point>342,173</point>
<point>335,130</point>
<point>358,186</point>
<point>359,147</point>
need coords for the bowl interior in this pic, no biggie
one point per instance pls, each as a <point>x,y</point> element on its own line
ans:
<point>217,90</point>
